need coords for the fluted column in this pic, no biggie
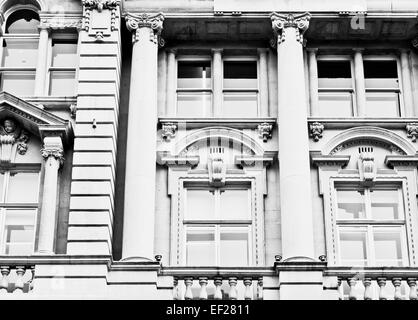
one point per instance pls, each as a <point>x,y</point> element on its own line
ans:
<point>41,67</point>
<point>360,83</point>
<point>138,225</point>
<point>53,154</point>
<point>407,84</point>
<point>171,83</point>
<point>295,180</point>
<point>313,81</point>
<point>263,83</point>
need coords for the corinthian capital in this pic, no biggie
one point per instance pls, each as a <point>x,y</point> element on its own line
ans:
<point>145,20</point>
<point>282,21</point>
<point>53,148</point>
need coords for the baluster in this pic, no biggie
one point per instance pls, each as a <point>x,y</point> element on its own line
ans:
<point>412,283</point>
<point>340,289</point>
<point>4,283</point>
<point>352,283</point>
<point>203,281</point>
<point>382,284</point>
<point>19,284</point>
<point>248,294</point>
<point>188,295</point>
<point>233,294</point>
<point>218,292</point>
<point>260,289</point>
<point>368,294</point>
<point>397,284</point>
<point>175,289</point>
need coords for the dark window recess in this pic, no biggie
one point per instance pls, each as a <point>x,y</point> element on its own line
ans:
<point>240,70</point>
<point>23,21</point>
<point>380,69</point>
<point>334,69</point>
<point>193,69</point>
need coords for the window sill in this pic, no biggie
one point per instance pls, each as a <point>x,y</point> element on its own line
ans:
<point>346,123</point>
<point>238,123</point>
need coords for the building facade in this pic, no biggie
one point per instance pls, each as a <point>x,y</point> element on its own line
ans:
<point>209,149</point>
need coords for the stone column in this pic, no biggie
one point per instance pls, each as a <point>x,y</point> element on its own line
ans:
<point>263,83</point>
<point>217,71</point>
<point>42,64</point>
<point>53,154</point>
<point>313,81</point>
<point>360,92</point>
<point>171,83</point>
<point>407,84</point>
<point>295,180</point>
<point>138,224</point>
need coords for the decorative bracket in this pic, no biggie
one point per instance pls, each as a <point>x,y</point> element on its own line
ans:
<point>367,166</point>
<point>73,110</point>
<point>412,131</point>
<point>217,166</point>
<point>168,131</point>
<point>282,21</point>
<point>315,130</point>
<point>265,131</point>
<point>10,134</point>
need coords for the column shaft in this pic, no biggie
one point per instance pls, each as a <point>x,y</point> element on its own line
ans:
<point>263,83</point>
<point>171,83</point>
<point>360,93</point>
<point>42,64</point>
<point>217,69</point>
<point>407,84</point>
<point>313,82</point>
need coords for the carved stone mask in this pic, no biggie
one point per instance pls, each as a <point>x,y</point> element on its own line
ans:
<point>9,126</point>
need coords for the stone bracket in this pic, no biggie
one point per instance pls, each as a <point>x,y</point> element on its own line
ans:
<point>265,131</point>
<point>412,131</point>
<point>316,130</point>
<point>168,131</point>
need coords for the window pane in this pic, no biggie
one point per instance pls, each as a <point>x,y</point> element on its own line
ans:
<point>64,54</point>
<point>382,104</point>
<point>19,83</point>
<point>351,204</point>
<point>388,248</point>
<point>380,69</point>
<point>23,21</point>
<point>193,104</point>
<point>62,83</point>
<point>240,104</point>
<point>334,69</point>
<point>353,248</point>
<point>19,231</point>
<point>335,104</point>
<point>22,53</point>
<point>234,248</point>
<point>200,204</point>
<point>194,74</point>
<point>385,204</point>
<point>23,187</point>
<point>240,70</point>
<point>234,204</point>
<point>200,248</point>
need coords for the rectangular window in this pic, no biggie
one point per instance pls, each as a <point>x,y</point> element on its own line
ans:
<point>18,211</point>
<point>218,226</point>
<point>371,227</point>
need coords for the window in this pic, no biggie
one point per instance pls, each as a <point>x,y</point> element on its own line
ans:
<point>18,211</point>
<point>20,53</point>
<point>194,88</point>
<point>371,227</point>
<point>335,87</point>
<point>382,88</point>
<point>218,226</point>
<point>240,88</point>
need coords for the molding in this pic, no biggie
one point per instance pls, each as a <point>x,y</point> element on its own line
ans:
<point>236,123</point>
<point>316,130</point>
<point>57,21</point>
<point>329,160</point>
<point>401,161</point>
<point>164,158</point>
<point>154,22</point>
<point>282,21</point>
<point>252,161</point>
<point>347,123</point>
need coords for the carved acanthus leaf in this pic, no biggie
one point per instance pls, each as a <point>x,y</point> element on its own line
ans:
<point>282,21</point>
<point>145,20</point>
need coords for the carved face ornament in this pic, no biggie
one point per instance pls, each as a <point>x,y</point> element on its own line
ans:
<point>9,126</point>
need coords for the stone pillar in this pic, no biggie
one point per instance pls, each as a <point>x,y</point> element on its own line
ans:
<point>313,81</point>
<point>295,180</point>
<point>171,83</point>
<point>42,64</point>
<point>53,154</point>
<point>263,83</point>
<point>360,92</point>
<point>217,71</point>
<point>138,225</point>
<point>407,84</point>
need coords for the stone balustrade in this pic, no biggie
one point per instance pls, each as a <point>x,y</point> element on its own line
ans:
<point>16,279</point>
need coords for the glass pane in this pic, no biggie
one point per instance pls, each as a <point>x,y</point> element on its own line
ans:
<point>22,53</point>
<point>334,69</point>
<point>23,187</point>
<point>240,105</point>
<point>380,69</point>
<point>23,21</point>
<point>19,83</point>
<point>388,248</point>
<point>19,231</point>
<point>335,104</point>
<point>234,248</point>
<point>200,248</point>
<point>385,204</point>
<point>240,69</point>
<point>234,204</point>
<point>200,204</point>
<point>382,104</point>
<point>62,83</point>
<point>351,204</point>
<point>193,104</point>
<point>64,54</point>
<point>353,248</point>
<point>194,74</point>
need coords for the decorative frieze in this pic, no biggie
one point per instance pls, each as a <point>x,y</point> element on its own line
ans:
<point>10,134</point>
<point>145,20</point>
<point>412,131</point>
<point>282,21</point>
<point>57,22</point>
<point>265,131</point>
<point>168,131</point>
<point>315,131</point>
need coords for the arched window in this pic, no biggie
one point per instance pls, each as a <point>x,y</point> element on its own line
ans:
<point>22,22</point>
